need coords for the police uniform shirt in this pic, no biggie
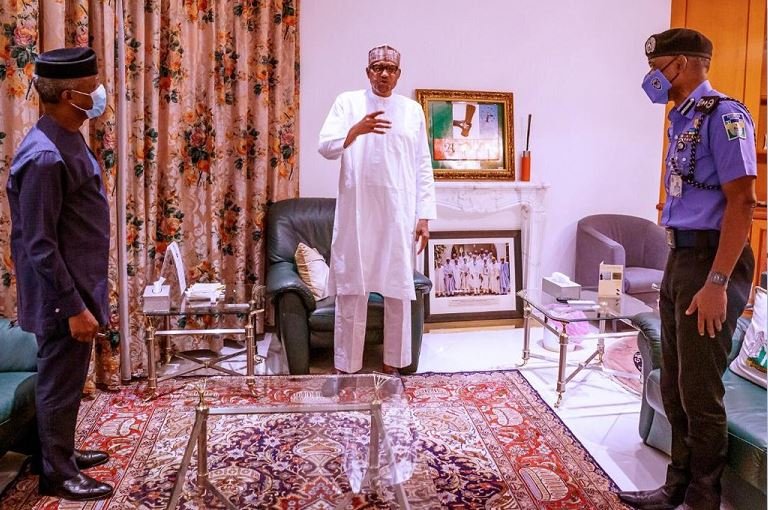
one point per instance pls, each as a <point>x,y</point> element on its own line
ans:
<point>60,228</point>
<point>725,151</point>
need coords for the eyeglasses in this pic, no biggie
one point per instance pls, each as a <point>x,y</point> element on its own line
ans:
<point>654,65</point>
<point>380,68</point>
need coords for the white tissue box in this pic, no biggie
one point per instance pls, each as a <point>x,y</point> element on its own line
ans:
<point>559,290</point>
<point>159,301</point>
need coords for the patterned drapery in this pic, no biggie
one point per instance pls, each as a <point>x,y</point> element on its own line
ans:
<point>211,108</point>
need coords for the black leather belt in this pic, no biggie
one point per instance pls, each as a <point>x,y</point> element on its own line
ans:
<point>678,238</point>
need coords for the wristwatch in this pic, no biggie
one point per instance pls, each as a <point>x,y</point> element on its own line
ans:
<point>717,278</point>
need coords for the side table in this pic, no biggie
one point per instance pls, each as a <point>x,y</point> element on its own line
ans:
<point>245,302</point>
<point>542,308</point>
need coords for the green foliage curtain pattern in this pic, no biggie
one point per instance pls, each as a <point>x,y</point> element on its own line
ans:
<point>211,103</point>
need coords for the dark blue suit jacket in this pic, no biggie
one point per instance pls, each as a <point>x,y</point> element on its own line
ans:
<point>60,228</point>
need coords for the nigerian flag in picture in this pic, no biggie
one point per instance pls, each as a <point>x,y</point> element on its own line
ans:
<point>441,113</point>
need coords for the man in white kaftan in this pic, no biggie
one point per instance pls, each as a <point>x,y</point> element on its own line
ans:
<point>439,280</point>
<point>386,197</point>
<point>475,268</point>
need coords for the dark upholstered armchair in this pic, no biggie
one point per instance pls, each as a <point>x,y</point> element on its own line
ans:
<point>301,321</point>
<point>18,374</point>
<point>636,243</point>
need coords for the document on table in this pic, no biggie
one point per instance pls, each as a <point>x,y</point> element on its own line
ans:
<point>211,292</point>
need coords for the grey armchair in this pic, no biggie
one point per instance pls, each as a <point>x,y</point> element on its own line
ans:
<point>636,243</point>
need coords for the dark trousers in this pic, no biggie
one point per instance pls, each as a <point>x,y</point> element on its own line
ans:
<point>62,367</point>
<point>691,373</point>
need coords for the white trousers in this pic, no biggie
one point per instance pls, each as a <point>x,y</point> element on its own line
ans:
<point>349,332</point>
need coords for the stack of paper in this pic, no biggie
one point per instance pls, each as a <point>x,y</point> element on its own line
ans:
<point>205,292</point>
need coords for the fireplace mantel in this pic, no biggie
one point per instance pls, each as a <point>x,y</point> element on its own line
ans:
<point>496,205</point>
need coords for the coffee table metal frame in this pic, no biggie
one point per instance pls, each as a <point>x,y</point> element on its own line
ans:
<point>199,438</point>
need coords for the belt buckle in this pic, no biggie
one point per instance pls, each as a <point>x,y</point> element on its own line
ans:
<point>671,238</point>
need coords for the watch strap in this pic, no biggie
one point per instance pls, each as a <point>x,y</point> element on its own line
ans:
<point>717,278</point>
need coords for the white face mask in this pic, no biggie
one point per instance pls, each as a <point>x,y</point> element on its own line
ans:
<point>99,99</point>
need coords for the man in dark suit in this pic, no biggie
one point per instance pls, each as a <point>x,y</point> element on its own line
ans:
<point>60,245</point>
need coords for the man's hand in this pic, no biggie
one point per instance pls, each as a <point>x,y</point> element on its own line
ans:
<point>421,235</point>
<point>368,124</point>
<point>83,326</point>
<point>711,302</point>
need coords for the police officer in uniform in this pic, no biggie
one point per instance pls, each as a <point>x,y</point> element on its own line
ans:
<point>710,185</point>
<point>60,246</point>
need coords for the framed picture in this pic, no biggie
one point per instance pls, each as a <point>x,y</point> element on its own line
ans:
<point>470,133</point>
<point>475,276</point>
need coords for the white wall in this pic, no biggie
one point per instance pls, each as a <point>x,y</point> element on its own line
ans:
<point>576,65</point>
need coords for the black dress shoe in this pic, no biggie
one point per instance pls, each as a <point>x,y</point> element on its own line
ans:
<point>90,458</point>
<point>656,499</point>
<point>85,459</point>
<point>78,488</point>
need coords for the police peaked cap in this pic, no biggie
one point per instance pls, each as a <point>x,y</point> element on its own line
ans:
<point>678,41</point>
<point>67,63</point>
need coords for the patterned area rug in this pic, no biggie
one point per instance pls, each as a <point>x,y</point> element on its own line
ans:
<point>485,440</point>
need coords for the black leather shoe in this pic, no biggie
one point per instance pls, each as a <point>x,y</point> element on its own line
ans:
<point>85,459</point>
<point>90,458</point>
<point>78,488</point>
<point>656,499</point>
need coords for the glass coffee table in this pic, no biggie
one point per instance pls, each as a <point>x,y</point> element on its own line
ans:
<point>375,448</point>
<point>605,313</point>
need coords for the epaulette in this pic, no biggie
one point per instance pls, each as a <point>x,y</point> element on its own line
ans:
<point>707,104</point>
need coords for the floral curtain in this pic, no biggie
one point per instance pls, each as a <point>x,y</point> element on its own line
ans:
<point>211,106</point>
<point>212,102</point>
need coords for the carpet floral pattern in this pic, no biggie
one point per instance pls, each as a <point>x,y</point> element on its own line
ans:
<point>483,440</point>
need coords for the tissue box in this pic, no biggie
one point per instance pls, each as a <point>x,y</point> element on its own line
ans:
<point>157,301</point>
<point>560,291</point>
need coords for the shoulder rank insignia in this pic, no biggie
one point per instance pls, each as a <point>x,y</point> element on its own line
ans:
<point>707,103</point>
<point>735,126</point>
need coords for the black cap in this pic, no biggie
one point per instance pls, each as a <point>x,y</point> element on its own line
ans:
<point>66,63</point>
<point>678,41</point>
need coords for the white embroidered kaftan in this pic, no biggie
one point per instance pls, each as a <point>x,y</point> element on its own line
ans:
<point>385,186</point>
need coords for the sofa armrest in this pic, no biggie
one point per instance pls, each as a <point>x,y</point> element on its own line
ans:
<point>282,277</point>
<point>649,340</point>
<point>656,249</point>
<point>592,248</point>
<point>422,283</point>
<point>18,348</point>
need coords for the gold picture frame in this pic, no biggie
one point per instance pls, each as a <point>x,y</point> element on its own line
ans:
<point>470,133</point>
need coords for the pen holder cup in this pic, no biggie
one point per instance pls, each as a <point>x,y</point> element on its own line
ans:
<point>525,166</point>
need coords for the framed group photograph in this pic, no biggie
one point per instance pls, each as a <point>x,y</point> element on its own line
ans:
<point>475,276</point>
<point>470,133</point>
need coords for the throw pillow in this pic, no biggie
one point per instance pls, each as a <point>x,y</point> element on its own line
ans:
<point>312,269</point>
<point>752,359</point>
